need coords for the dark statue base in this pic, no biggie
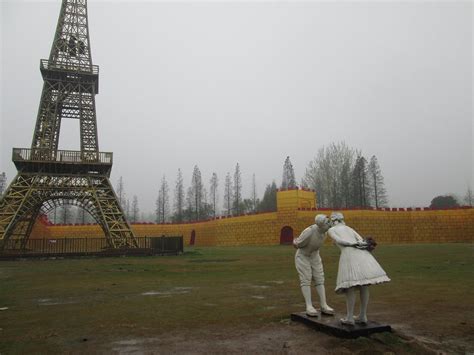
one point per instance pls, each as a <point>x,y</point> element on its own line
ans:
<point>332,325</point>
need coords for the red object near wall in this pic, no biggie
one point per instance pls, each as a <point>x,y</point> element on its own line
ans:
<point>193,237</point>
<point>286,235</point>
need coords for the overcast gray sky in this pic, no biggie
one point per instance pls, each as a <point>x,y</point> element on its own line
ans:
<point>216,83</point>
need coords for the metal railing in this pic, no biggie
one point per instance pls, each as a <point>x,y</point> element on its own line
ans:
<point>73,67</point>
<point>65,246</point>
<point>61,156</point>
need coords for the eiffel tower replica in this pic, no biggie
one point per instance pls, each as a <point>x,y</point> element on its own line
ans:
<point>47,177</point>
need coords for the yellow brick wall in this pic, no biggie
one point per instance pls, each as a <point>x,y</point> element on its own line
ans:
<point>431,226</point>
<point>264,229</point>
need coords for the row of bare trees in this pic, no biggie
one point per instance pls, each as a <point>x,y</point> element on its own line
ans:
<point>130,209</point>
<point>343,178</point>
<point>199,203</point>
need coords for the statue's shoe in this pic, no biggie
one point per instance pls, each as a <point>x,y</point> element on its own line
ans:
<point>346,321</point>
<point>327,310</point>
<point>312,312</point>
<point>359,320</point>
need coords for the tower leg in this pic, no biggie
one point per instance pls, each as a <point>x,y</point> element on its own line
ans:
<point>117,227</point>
<point>27,194</point>
<point>15,207</point>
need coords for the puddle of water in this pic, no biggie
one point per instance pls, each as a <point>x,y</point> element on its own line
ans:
<point>132,346</point>
<point>129,342</point>
<point>173,291</point>
<point>128,350</point>
<point>213,260</point>
<point>55,301</point>
<point>260,286</point>
<point>246,285</point>
<point>258,297</point>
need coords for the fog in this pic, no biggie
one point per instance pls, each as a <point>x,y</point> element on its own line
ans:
<point>216,83</point>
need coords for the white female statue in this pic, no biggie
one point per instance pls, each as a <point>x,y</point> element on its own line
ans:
<point>309,265</point>
<point>357,268</point>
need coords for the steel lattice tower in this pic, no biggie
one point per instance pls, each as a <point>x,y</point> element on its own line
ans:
<point>48,177</point>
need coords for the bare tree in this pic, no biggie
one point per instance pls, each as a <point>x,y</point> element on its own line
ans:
<point>329,174</point>
<point>162,202</point>
<point>469,198</point>
<point>83,216</point>
<point>228,194</point>
<point>135,210</point>
<point>237,191</point>
<point>179,198</point>
<point>120,191</point>
<point>3,183</point>
<point>361,188</point>
<point>254,198</point>
<point>213,193</point>
<point>66,214</point>
<point>288,179</point>
<point>127,208</point>
<point>379,194</point>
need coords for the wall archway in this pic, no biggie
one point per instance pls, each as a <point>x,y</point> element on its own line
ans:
<point>192,240</point>
<point>286,235</point>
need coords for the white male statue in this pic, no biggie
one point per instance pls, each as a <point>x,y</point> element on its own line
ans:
<point>357,268</point>
<point>309,265</point>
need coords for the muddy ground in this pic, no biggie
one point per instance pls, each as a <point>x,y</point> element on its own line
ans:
<point>230,300</point>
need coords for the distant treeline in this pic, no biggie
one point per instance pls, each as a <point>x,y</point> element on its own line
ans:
<point>341,177</point>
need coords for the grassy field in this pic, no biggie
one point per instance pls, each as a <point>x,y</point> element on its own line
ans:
<point>84,305</point>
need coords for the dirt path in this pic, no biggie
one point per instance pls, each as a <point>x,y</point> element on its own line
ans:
<point>280,338</point>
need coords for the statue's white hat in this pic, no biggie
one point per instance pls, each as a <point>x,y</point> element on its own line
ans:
<point>320,219</point>
<point>337,216</point>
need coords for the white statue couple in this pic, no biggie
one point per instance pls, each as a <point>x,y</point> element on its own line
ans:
<point>357,267</point>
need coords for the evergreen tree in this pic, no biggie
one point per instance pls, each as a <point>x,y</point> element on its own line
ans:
<point>3,183</point>
<point>135,210</point>
<point>228,195</point>
<point>269,200</point>
<point>179,199</point>
<point>237,191</point>
<point>360,183</point>
<point>213,194</point>
<point>197,192</point>
<point>162,202</point>
<point>288,180</point>
<point>379,193</point>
